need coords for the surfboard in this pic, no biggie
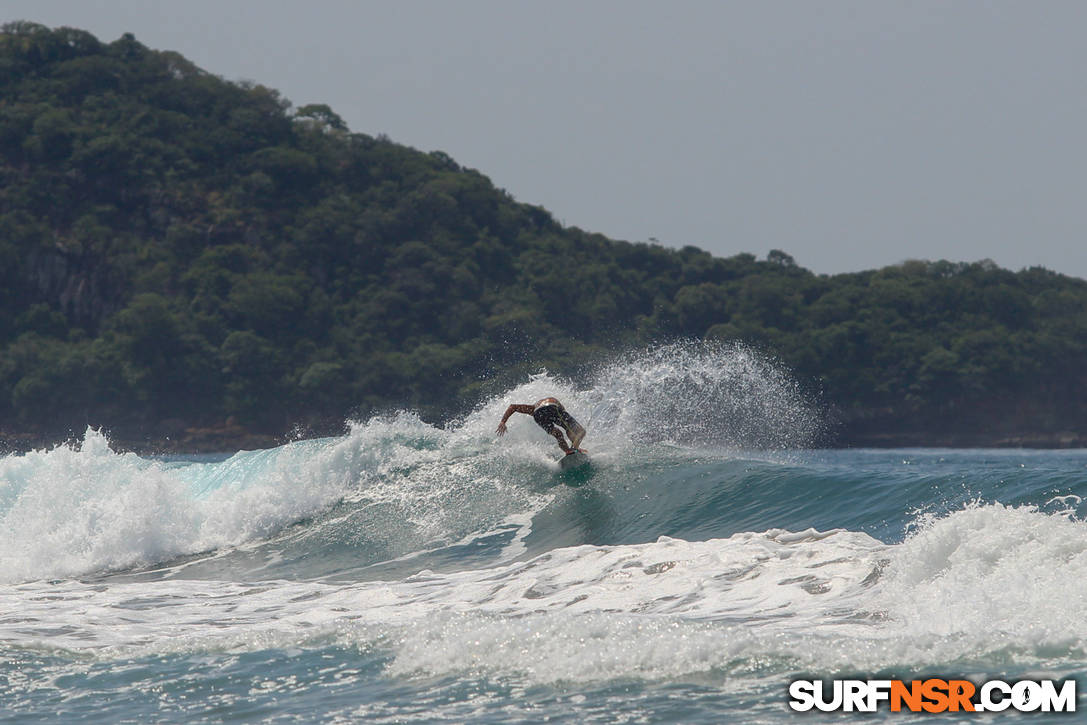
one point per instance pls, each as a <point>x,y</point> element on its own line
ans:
<point>573,460</point>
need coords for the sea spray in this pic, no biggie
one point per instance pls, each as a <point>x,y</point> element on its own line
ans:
<point>703,394</point>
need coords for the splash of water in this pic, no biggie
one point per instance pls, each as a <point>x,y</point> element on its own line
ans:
<point>708,394</point>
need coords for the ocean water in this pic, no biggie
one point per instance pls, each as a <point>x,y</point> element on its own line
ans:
<point>409,573</point>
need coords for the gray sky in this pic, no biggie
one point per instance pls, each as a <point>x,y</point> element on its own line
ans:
<point>851,135</point>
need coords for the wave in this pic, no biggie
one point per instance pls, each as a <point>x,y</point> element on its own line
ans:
<point>393,486</point>
<point>986,584</point>
<point>709,556</point>
<point>983,585</point>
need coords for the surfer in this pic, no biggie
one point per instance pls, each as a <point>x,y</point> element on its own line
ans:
<point>553,418</point>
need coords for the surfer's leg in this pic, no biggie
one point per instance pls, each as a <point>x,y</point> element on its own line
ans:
<point>561,439</point>
<point>577,432</point>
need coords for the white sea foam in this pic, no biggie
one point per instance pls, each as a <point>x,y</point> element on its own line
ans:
<point>73,511</point>
<point>768,602</point>
<point>748,578</point>
<point>995,576</point>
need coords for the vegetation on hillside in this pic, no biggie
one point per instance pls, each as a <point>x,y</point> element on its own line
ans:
<point>177,250</point>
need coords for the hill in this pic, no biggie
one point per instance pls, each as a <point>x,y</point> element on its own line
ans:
<point>188,258</point>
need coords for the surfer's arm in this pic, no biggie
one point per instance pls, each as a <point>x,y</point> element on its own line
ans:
<point>515,408</point>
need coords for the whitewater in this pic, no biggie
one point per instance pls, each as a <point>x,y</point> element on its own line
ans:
<point>407,572</point>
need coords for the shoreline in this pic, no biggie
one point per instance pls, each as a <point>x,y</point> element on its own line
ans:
<point>1064,440</point>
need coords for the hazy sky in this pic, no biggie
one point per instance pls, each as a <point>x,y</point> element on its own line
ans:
<point>850,134</point>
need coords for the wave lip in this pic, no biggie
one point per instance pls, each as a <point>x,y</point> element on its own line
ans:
<point>73,511</point>
<point>67,511</point>
<point>994,575</point>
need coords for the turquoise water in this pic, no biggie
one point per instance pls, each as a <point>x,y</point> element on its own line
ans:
<point>408,573</point>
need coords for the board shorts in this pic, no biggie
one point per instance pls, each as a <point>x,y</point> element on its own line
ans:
<point>549,416</point>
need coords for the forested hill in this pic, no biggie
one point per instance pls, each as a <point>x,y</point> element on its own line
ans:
<point>185,257</point>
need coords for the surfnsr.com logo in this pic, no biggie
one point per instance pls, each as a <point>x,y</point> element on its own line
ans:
<point>933,695</point>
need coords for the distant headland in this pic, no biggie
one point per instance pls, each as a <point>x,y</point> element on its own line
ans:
<point>196,265</point>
